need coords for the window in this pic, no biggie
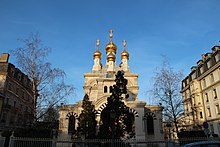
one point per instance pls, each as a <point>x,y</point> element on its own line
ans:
<point>150,124</point>
<point>110,89</point>
<point>105,89</point>
<point>209,112</point>
<point>9,86</point>
<point>19,77</point>
<point>7,101</point>
<point>206,97</point>
<point>12,72</point>
<point>217,109</point>
<point>201,115</point>
<point>214,93</point>
<point>204,83</point>
<point>71,124</point>
<point>14,103</point>
<point>211,78</point>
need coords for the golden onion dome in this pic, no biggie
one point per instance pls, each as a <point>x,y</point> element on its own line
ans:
<point>111,57</point>
<point>111,47</point>
<point>97,54</point>
<point>124,54</point>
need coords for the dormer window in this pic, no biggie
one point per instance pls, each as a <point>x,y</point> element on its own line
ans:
<point>19,77</point>
<point>12,72</point>
<point>209,64</point>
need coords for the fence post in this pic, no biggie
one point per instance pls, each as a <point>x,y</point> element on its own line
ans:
<point>11,141</point>
<point>2,139</point>
<point>54,142</point>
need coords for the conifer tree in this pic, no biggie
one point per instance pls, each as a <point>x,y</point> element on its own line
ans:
<point>87,123</point>
<point>116,119</point>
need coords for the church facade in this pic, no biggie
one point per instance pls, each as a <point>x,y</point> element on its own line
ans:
<point>98,84</point>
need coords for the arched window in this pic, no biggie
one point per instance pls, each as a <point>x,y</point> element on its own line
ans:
<point>110,89</point>
<point>150,124</point>
<point>71,125</point>
<point>105,89</point>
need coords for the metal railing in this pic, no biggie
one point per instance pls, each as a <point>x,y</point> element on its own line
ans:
<point>2,141</point>
<point>42,142</point>
<point>47,142</point>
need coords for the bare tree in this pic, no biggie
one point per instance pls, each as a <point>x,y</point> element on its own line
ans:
<point>48,84</point>
<point>51,115</point>
<point>166,88</point>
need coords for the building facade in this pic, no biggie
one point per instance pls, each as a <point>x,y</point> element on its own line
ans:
<point>16,97</point>
<point>98,85</point>
<point>201,93</point>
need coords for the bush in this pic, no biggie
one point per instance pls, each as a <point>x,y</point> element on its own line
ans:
<point>191,134</point>
<point>29,133</point>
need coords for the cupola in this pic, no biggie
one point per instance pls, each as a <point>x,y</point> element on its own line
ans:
<point>111,47</point>
<point>124,53</point>
<point>97,53</point>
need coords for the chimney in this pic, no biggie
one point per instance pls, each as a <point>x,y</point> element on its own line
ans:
<point>4,58</point>
<point>203,57</point>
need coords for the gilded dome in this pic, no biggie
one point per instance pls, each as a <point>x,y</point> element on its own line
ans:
<point>97,54</point>
<point>111,57</point>
<point>111,47</point>
<point>124,54</point>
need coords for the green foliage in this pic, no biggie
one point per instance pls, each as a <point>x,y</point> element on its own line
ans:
<point>29,133</point>
<point>87,122</point>
<point>116,119</point>
<point>191,134</point>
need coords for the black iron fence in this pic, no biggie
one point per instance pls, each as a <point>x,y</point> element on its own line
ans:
<point>44,142</point>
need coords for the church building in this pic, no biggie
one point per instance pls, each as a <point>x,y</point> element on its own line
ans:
<point>98,84</point>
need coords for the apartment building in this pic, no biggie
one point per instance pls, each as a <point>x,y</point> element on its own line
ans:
<point>16,97</point>
<point>201,93</point>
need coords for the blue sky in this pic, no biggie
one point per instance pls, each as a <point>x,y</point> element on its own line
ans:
<point>180,29</point>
